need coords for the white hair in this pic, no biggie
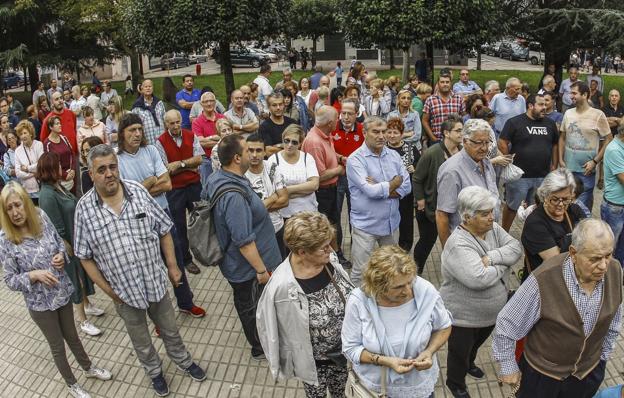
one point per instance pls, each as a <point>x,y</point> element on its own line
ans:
<point>548,79</point>
<point>511,81</point>
<point>490,84</point>
<point>372,121</point>
<point>555,181</point>
<point>473,126</point>
<point>473,199</point>
<point>588,229</point>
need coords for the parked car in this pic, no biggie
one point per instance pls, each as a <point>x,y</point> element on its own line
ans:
<point>243,57</point>
<point>174,61</point>
<point>272,57</point>
<point>536,55</point>
<point>198,58</point>
<point>494,48</point>
<point>513,52</point>
<point>12,79</point>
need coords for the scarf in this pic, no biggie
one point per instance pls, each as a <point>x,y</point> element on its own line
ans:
<point>140,103</point>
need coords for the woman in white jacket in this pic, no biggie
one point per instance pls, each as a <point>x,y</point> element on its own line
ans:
<point>300,313</point>
<point>26,157</point>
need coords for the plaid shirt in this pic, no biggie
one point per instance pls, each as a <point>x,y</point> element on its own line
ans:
<point>439,110</point>
<point>523,311</point>
<point>125,247</point>
<point>151,130</point>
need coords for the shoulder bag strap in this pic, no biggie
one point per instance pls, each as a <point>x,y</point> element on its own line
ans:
<point>332,277</point>
<point>223,191</point>
<point>567,217</point>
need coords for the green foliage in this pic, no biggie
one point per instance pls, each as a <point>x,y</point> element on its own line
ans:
<point>312,19</point>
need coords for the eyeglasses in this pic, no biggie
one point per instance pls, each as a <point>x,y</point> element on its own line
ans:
<point>557,201</point>
<point>480,143</point>
<point>289,141</point>
<point>325,249</point>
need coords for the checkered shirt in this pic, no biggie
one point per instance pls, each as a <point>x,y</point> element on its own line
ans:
<point>523,311</point>
<point>151,130</point>
<point>439,110</point>
<point>125,247</point>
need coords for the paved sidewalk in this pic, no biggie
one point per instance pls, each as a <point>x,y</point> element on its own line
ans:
<point>216,342</point>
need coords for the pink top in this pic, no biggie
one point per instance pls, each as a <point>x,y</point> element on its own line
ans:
<point>321,147</point>
<point>203,127</point>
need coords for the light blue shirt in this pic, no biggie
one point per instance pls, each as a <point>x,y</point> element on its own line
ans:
<point>146,162</point>
<point>363,328</point>
<point>505,108</point>
<point>412,123</point>
<point>465,89</point>
<point>565,91</point>
<point>614,165</point>
<point>372,210</point>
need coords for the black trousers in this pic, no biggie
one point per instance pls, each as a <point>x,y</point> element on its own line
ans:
<point>428,235</point>
<point>327,199</point>
<point>463,345</point>
<point>246,296</point>
<point>406,226</point>
<point>536,385</point>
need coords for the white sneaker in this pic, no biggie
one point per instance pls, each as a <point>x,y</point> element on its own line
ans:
<point>90,328</point>
<point>98,373</point>
<point>93,310</point>
<point>77,391</point>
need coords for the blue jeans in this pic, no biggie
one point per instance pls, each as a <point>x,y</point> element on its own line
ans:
<point>183,293</point>
<point>587,197</point>
<point>180,200</point>
<point>614,216</point>
<point>522,189</point>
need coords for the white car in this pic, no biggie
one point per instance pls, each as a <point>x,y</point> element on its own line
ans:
<point>198,58</point>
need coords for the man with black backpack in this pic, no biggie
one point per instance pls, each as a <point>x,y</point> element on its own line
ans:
<point>245,234</point>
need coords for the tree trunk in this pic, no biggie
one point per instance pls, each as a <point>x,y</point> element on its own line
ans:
<point>406,65</point>
<point>226,63</point>
<point>77,71</point>
<point>478,58</point>
<point>313,55</point>
<point>392,65</point>
<point>136,70</point>
<point>429,51</point>
<point>34,76</point>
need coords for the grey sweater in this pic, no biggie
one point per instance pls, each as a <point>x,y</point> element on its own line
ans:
<point>472,292</point>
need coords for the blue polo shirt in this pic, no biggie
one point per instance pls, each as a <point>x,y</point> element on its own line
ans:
<point>189,97</point>
<point>505,108</point>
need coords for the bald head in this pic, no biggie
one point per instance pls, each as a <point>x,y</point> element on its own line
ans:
<point>147,88</point>
<point>238,99</point>
<point>208,101</point>
<point>614,98</point>
<point>324,81</point>
<point>326,117</point>
<point>173,122</point>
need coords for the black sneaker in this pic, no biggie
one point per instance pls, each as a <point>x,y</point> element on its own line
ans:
<point>160,385</point>
<point>195,372</point>
<point>258,357</point>
<point>476,372</point>
<point>459,393</point>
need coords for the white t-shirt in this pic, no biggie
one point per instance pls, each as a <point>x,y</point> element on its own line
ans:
<point>398,316</point>
<point>266,185</point>
<point>294,174</point>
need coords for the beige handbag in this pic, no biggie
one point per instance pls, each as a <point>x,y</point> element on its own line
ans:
<point>356,389</point>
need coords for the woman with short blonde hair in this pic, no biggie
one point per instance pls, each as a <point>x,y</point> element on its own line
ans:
<point>300,313</point>
<point>393,326</point>
<point>33,257</point>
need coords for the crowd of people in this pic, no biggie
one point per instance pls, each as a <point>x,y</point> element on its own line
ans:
<point>98,195</point>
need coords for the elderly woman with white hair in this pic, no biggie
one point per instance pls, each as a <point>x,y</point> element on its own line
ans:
<point>548,229</point>
<point>476,262</point>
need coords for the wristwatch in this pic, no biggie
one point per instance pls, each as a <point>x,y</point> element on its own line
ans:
<point>183,165</point>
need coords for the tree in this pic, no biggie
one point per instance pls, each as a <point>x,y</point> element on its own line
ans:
<point>54,32</point>
<point>312,19</point>
<point>561,26</point>
<point>157,27</point>
<point>394,24</point>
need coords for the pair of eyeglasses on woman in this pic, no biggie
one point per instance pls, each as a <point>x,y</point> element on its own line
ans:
<point>289,141</point>
<point>557,201</point>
